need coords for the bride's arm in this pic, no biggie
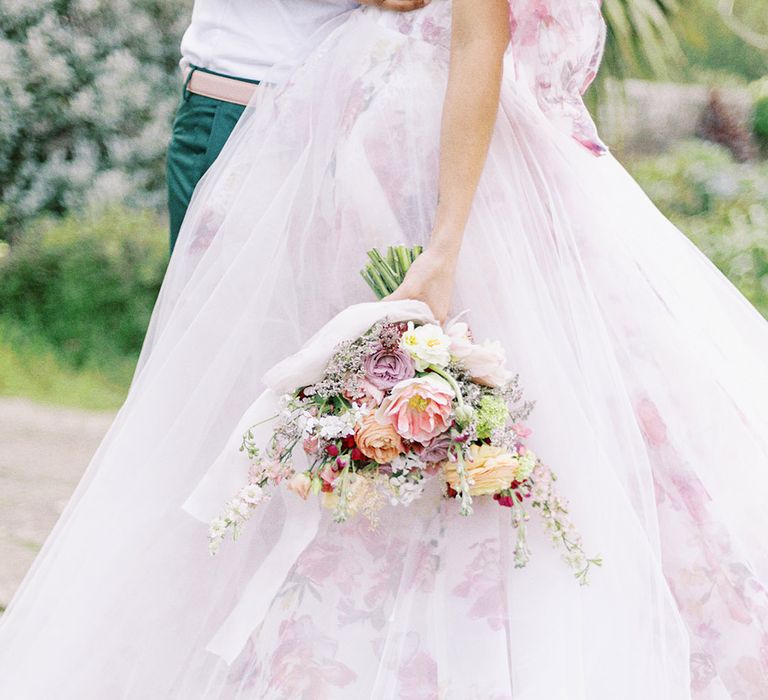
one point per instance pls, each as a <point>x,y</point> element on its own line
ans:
<point>479,40</point>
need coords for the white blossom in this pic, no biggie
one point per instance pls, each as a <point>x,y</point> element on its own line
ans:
<point>86,72</point>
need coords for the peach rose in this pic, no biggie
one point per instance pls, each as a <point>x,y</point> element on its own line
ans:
<point>419,408</point>
<point>491,469</point>
<point>300,484</point>
<point>378,441</point>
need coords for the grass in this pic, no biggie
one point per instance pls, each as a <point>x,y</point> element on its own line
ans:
<point>30,368</point>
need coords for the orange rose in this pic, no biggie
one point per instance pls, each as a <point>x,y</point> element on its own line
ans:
<point>377,441</point>
<point>490,469</point>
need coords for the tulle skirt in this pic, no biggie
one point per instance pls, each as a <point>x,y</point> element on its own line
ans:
<point>648,370</point>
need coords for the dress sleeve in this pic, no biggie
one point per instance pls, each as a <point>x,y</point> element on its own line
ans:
<point>557,46</point>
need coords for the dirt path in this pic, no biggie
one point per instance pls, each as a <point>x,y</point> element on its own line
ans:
<point>43,452</point>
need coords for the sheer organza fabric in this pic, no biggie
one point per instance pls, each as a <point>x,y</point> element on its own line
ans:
<point>652,405</point>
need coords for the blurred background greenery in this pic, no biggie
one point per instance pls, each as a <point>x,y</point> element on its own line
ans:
<point>86,100</point>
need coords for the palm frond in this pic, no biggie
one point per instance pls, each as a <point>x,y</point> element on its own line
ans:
<point>641,40</point>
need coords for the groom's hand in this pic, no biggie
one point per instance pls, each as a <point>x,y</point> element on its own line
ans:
<point>396,5</point>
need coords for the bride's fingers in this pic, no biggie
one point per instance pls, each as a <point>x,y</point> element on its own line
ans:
<point>396,5</point>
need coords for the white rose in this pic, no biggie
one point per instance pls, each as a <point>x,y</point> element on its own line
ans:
<point>427,345</point>
<point>461,341</point>
<point>486,363</point>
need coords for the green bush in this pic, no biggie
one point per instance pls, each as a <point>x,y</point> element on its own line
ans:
<point>88,89</point>
<point>721,205</point>
<point>760,122</point>
<point>86,284</point>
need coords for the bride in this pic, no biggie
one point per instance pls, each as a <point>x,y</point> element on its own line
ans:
<point>647,367</point>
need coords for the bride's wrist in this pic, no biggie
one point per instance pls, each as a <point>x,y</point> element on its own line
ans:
<point>445,248</point>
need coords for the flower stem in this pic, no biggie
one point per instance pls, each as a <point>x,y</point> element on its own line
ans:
<point>448,378</point>
<point>385,273</point>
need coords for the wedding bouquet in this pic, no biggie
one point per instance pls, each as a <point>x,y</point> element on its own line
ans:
<point>400,404</point>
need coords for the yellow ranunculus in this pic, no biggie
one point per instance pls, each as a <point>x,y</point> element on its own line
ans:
<point>490,469</point>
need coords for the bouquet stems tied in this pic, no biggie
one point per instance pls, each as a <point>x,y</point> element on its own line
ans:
<point>384,273</point>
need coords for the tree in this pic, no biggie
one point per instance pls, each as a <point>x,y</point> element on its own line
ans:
<point>87,92</point>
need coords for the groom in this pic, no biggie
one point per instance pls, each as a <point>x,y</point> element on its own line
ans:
<point>226,51</point>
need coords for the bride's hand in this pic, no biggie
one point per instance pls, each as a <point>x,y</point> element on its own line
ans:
<point>396,5</point>
<point>430,279</point>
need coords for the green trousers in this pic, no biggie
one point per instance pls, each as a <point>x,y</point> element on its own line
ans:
<point>200,130</point>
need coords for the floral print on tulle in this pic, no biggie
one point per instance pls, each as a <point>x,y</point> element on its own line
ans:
<point>482,584</point>
<point>715,588</point>
<point>558,46</point>
<point>304,664</point>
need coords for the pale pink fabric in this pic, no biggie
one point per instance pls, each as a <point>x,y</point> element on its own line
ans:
<point>557,46</point>
<point>647,366</point>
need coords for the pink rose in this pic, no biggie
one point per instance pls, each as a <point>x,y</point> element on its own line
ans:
<point>385,367</point>
<point>372,395</point>
<point>419,408</point>
<point>437,449</point>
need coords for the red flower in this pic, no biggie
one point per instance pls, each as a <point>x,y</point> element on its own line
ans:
<point>450,492</point>
<point>348,442</point>
<point>326,487</point>
<point>357,455</point>
<point>506,501</point>
<point>332,450</point>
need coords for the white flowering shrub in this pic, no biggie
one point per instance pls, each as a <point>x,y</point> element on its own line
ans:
<point>88,89</point>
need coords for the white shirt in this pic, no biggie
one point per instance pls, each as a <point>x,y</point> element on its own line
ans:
<point>245,38</point>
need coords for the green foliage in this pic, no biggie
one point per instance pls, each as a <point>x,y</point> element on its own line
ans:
<point>760,122</point>
<point>641,40</point>
<point>721,205</point>
<point>86,284</point>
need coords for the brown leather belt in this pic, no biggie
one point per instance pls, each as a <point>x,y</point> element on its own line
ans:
<point>220,87</point>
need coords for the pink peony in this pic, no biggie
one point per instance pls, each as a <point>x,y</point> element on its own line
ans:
<point>419,408</point>
<point>386,367</point>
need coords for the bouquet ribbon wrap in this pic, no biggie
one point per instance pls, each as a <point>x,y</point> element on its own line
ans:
<point>300,519</point>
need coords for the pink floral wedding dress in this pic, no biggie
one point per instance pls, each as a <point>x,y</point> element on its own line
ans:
<point>648,368</point>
